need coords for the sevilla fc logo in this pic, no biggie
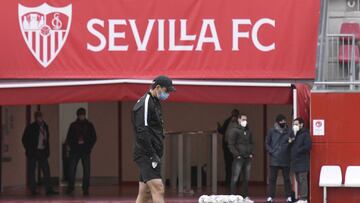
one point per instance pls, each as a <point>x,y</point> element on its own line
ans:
<point>45,29</point>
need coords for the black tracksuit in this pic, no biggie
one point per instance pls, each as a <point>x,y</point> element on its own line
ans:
<point>149,135</point>
<point>148,126</point>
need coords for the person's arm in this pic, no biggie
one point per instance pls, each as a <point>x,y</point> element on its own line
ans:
<point>252,144</point>
<point>307,144</point>
<point>47,140</point>
<point>70,137</point>
<point>268,143</point>
<point>25,137</point>
<point>292,137</point>
<point>232,143</point>
<point>222,128</point>
<point>143,132</point>
<point>93,136</point>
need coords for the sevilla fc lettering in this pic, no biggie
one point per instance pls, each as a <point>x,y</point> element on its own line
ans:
<point>177,32</point>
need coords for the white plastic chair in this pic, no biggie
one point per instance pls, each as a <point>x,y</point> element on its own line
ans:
<point>330,176</point>
<point>352,176</point>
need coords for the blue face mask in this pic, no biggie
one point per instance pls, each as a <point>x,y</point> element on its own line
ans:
<point>163,96</point>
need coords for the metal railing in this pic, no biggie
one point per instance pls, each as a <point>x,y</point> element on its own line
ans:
<point>337,65</point>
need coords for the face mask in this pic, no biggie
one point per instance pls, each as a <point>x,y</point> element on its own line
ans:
<point>163,96</point>
<point>243,123</point>
<point>282,125</point>
<point>296,128</point>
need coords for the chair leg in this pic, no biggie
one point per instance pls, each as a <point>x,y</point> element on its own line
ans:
<point>324,195</point>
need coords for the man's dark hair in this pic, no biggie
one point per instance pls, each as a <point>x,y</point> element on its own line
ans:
<point>280,117</point>
<point>37,114</point>
<point>235,112</point>
<point>300,120</point>
<point>81,111</point>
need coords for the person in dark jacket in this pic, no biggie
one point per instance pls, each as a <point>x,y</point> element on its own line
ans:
<point>149,135</point>
<point>224,130</point>
<point>300,157</point>
<point>241,145</point>
<point>36,143</point>
<point>278,147</point>
<point>81,139</point>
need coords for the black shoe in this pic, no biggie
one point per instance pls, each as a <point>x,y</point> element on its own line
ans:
<point>34,193</point>
<point>51,192</point>
<point>86,193</point>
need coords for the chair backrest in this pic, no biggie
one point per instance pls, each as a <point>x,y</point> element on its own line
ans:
<point>330,176</point>
<point>351,28</point>
<point>345,53</point>
<point>352,176</point>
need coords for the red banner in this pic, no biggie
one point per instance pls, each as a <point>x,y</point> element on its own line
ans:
<point>240,39</point>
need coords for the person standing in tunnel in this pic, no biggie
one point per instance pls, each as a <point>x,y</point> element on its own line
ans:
<point>149,135</point>
<point>81,139</point>
<point>224,129</point>
<point>278,147</point>
<point>241,145</point>
<point>36,143</point>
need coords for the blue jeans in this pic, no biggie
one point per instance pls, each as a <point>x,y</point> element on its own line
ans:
<point>240,166</point>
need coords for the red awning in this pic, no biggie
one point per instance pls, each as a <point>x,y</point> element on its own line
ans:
<point>25,93</point>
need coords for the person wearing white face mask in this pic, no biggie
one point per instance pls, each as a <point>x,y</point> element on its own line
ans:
<point>241,145</point>
<point>300,157</point>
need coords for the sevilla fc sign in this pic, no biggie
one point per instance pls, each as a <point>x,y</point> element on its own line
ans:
<point>215,39</point>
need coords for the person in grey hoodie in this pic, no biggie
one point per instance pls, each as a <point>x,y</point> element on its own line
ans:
<point>278,147</point>
<point>241,145</point>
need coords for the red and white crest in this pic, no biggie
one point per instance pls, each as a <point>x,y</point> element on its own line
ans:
<point>45,29</point>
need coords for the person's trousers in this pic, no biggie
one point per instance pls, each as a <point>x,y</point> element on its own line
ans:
<point>240,166</point>
<point>41,159</point>
<point>228,158</point>
<point>85,161</point>
<point>302,179</point>
<point>273,178</point>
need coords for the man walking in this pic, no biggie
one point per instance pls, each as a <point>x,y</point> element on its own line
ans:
<point>241,145</point>
<point>300,157</point>
<point>81,139</point>
<point>36,143</point>
<point>149,136</point>
<point>277,145</point>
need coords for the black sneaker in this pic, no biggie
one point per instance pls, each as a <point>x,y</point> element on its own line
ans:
<point>86,193</point>
<point>34,193</point>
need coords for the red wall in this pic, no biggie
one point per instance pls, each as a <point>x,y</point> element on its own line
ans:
<point>339,146</point>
